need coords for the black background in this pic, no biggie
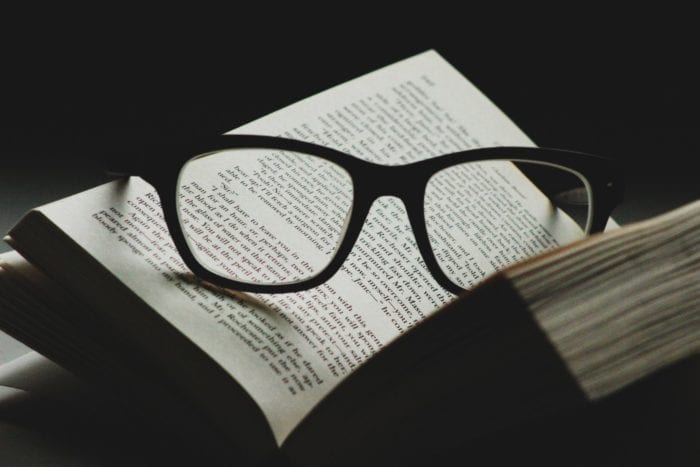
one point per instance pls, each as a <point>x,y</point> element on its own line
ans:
<point>624,88</point>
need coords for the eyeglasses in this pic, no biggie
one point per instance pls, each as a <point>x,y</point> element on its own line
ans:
<point>269,214</point>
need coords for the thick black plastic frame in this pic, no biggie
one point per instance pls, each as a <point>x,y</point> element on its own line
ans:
<point>370,181</point>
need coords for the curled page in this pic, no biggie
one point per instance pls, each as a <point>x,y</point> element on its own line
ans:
<point>36,374</point>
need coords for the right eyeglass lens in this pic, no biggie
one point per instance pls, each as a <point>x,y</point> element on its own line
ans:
<point>263,216</point>
<point>483,216</point>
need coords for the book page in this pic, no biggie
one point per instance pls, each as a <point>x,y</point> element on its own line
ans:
<point>10,348</point>
<point>289,350</point>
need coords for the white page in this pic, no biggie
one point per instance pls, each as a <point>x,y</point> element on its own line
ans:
<point>290,356</point>
<point>10,349</point>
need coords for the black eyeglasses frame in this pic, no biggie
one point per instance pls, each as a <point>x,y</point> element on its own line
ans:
<point>160,166</point>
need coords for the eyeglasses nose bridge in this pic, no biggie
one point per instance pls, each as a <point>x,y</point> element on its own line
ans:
<point>402,181</point>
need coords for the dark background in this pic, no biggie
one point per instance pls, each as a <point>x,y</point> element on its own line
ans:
<point>627,89</point>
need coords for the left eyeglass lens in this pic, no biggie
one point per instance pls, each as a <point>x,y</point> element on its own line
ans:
<point>263,216</point>
<point>483,216</point>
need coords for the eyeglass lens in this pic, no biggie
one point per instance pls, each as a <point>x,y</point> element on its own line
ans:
<point>264,217</point>
<point>479,220</point>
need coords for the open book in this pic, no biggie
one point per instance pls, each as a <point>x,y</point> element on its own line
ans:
<point>249,374</point>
